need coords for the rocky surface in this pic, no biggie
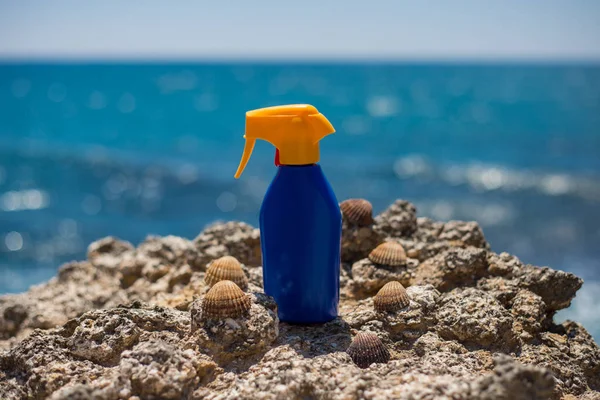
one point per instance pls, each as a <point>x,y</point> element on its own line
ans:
<point>231,339</point>
<point>124,324</point>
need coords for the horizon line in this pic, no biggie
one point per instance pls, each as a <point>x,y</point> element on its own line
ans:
<point>308,59</point>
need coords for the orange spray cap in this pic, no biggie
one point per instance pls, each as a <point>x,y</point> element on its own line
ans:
<point>294,130</point>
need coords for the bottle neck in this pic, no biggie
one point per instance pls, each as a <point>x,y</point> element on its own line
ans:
<point>297,166</point>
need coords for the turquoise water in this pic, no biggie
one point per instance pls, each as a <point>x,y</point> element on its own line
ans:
<point>131,150</point>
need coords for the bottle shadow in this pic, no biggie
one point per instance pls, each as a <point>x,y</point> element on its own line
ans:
<point>307,340</point>
<point>312,340</point>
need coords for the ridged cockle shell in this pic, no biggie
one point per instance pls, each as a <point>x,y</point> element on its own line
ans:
<point>357,211</point>
<point>366,349</point>
<point>391,297</point>
<point>225,300</point>
<point>388,253</point>
<point>226,268</point>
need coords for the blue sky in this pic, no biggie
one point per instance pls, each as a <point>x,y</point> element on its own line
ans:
<point>396,29</point>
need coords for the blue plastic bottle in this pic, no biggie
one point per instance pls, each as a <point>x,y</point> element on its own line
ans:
<point>300,219</point>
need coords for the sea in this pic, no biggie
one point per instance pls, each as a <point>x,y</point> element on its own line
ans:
<point>131,150</point>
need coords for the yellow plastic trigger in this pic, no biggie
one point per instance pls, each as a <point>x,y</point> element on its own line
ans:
<point>321,126</point>
<point>294,129</point>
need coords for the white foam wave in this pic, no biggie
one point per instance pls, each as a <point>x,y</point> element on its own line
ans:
<point>18,200</point>
<point>489,177</point>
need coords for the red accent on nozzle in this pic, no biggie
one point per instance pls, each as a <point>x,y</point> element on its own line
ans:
<point>277,164</point>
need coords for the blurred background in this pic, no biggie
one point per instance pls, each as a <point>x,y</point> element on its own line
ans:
<point>126,119</point>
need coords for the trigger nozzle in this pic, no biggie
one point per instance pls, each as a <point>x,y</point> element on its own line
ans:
<point>248,147</point>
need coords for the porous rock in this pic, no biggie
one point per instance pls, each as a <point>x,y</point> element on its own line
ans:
<point>503,264</point>
<point>236,239</point>
<point>472,316</point>
<point>316,340</point>
<point>556,288</point>
<point>504,290</point>
<point>282,375</point>
<point>424,242</point>
<point>584,350</point>
<point>406,324</point>
<point>153,369</point>
<point>452,268</point>
<point>86,334</point>
<point>79,287</point>
<point>570,353</point>
<point>467,233</point>
<point>513,381</point>
<point>157,369</point>
<point>552,354</point>
<point>172,250</point>
<point>182,287</point>
<point>226,339</point>
<point>255,276</point>
<point>358,241</point>
<point>359,313</point>
<point>368,278</point>
<point>431,343</point>
<point>529,312</point>
<point>399,219</point>
<point>42,364</point>
<point>418,317</point>
<point>432,238</point>
<point>107,252</point>
<point>102,338</point>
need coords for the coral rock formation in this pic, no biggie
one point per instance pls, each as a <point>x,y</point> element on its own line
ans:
<point>125,324</point>
<point>243,336</point>
<point>368,278</point>
<point>236,239</point>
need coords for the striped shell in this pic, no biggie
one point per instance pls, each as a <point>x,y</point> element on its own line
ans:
<point>357,211</point>
<point>225,300</point>
<point>388,253</point>
<point>391,297</point>
<point>226,268</point>
<point>366,349</point>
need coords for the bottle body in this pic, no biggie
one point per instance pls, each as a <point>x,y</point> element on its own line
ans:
<point>301,228</point>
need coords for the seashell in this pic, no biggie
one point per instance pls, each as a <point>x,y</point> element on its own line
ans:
<point>226,268</point>
<point>388,253</point>
<point>366,349</point>
<point>391,297</point>
<point>357,211</point>
<point>225,300</point>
